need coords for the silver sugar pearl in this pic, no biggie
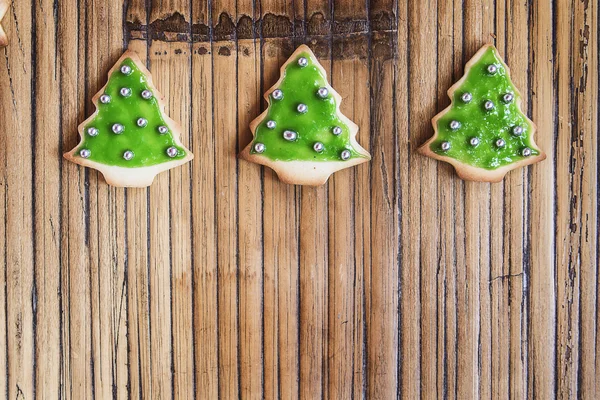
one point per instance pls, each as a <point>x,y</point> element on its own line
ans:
<point>163,129</point>
<point>85,153</point>
<point>271,124</point>
<point>92,131</point>
<point>445,146</point>
<point>172,152</point>
<point>344,155</point>
<point>125,92</point>
<point>323,92</point>
<point>454,125</point>
<point>489,105</point>
<point>466,97</point>
<point>318,147</point>
<point>146,94</point>
<point>474,141</point>
<point>277,94</point>
<point>337,130</point>
<point>128,155</point>
<point>508,97</point>
<point>260,148</point>
<point>517,130</point>
<point>118,128</point>
<point>526,152</point>
<point>141,122</point>
<point>125,69</point>
<point>302,108</point>
<point>290,135</point>
<point>500,143</point>
<point>105,99</point>
<point>302,61</point>
<point>492,69</point>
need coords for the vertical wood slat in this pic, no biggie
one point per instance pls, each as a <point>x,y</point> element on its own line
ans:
<point>203,208</point>
<point>17,266</point>
<point>576,153</point>
<point>345,372</point>
<point>420,284</point>
<point>170,277</point>
<point>542,299</point>
<point>250,231</point>
<point>381,281</point>
<point>46,199</point>
<point>224,58</point>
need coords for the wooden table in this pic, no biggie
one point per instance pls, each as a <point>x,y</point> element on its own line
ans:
<point>394,279</point>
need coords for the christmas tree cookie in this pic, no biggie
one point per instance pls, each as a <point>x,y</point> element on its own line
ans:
<point>3,8</point>
<point>483,133</point>
<point>129,138</point>
<point>302,135</point>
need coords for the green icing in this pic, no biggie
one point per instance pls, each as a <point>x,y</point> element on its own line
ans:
<point>488,126</point>
<point>148,145</point>
<point>300,86</point>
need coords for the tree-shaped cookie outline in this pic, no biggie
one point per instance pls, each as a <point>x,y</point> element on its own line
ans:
<point>466,171</point>
<point>300,172</point>
<point>139,177</point>
<point>4,4</point>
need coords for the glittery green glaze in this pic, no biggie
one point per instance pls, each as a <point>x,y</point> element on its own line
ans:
<point>299,86</point>
<point>148,145</point>
<point>488,126</point>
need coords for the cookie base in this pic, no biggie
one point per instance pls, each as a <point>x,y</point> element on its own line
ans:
<point>140,177</point>
<point>310,173</point>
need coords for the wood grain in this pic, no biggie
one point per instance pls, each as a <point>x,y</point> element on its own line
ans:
<point>393,280</point>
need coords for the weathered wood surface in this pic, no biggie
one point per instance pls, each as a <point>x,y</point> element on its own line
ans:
<point>395,279</point>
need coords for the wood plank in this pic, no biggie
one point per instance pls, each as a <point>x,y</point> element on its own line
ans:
<point>224,54</point>
<point>575,148</point>
<point>224,105</point>
<point>542,298</point>
<point>345,324</point>
<point>585,128</point>
<point>203,210</point>
<point>46,207</point>
<point>159,217</point>
<point>420,284</point>
<point>250,234</point>
<point>171,68</point>
<point>577,195</point>
<point>18,219</point>
<point>382,279</point>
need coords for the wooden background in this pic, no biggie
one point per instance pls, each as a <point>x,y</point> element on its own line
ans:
<point>395,279</point>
